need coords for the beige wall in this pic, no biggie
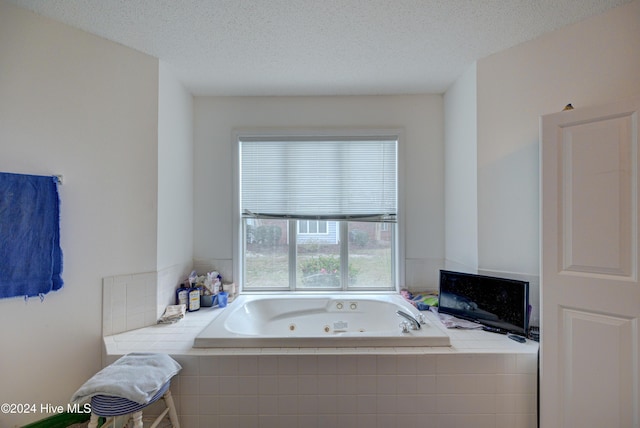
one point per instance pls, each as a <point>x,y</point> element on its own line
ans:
<point>77,105</point>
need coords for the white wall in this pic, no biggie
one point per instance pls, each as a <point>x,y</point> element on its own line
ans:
<point>175,186</point>
<point>420,116</point>
<point>461,172</point>
<point>175,171</point>
<point>80,106</point>
<point>593,62</point>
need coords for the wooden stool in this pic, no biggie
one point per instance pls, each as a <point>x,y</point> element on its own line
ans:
<point>109,407</point>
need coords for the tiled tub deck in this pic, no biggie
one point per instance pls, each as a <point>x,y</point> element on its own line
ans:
<point>483,380</point>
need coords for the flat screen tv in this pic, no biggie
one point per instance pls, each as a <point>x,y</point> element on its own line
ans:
<point>500,304</point>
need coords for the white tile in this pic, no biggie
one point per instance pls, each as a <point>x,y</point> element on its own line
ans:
<point>347,364</point>
<point>526,363</point>
<point>426,364</point>
<point>466,363</point>
<point>410,420</point>
<point>426,384</point>
<point>307,405</point>
<point>306,421</point>
<point>366,404</point>
<point>387,403</point>
<point>466,384</point>
<point>189,385</point>
<point>209,405</point>
<point>247,385</point>
<point>328,364</point>
<point>267,385</point>
<point>386,364</point>
<point>247,421</point>
<point>327,384</point>
<point>249,404</point>
<point>367,420</point>
<point>287,404</point>
<point>347,384</point>
<point>327,404</point>
<point>287,384</point>
<point>516,383</point>
<point>338,421</point>
<point>466,403</point>
<point>268,364</point>
<point>366,365</point>
<point>288,365</point>
<point>346,404</point>
<point>307,364</point>
<point>308,384</point>
<point>407,364</point>
<point>228,366</point>
<point>229,404</point>
<point>386,384</point>
<point>366,384</point>
<point>228,385</point>
<point>209,385</point>
<point>516,403</point>
<point>268,421</point>
<point>268,404</point>
<point>407,384</point>
<point>476,421</point>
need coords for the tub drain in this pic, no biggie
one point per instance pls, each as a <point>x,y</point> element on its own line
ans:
<point>327,329</point>
<point>292,327</point>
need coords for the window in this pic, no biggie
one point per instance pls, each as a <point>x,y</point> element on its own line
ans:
<point>317,212</point>
<point>312,227</point>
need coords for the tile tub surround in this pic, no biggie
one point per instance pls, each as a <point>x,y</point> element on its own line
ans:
<point>482,380</point>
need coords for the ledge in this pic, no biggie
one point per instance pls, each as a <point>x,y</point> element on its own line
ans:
<point>177,339</point>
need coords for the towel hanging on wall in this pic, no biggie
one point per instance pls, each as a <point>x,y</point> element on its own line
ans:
<point>30,253</point>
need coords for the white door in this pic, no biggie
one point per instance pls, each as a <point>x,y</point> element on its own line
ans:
<point>590,290</point>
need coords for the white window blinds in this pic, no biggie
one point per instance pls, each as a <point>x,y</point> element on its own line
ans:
<point>331,179</point>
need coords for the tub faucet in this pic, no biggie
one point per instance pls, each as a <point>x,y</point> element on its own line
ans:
<point>412,320</point>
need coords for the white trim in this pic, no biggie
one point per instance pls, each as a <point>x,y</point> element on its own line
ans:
<point>378,133</point>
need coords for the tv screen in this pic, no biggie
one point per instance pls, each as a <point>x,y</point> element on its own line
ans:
<point>498,303</point>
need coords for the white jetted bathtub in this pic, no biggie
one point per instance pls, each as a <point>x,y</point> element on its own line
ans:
<point>318,321</point>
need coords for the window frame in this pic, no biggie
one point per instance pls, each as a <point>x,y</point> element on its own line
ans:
<point>239,135</point>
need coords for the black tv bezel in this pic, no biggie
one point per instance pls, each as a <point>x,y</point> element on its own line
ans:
<point>501,326</point>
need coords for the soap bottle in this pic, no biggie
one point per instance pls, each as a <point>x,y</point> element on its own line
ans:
<point>182,295</point>
<point>194,298</point>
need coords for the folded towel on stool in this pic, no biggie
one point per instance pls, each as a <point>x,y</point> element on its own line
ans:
<point>136,377</point>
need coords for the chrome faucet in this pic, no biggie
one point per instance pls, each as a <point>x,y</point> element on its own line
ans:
<point>411,319</point>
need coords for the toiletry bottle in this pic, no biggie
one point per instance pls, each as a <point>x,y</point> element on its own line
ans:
<point>194,298</point>
<point>182,295</point>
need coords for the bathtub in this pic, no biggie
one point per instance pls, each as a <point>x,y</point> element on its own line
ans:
<point>317,321</point>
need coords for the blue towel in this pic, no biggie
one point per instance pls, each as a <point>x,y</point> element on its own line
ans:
<point>30,253</point>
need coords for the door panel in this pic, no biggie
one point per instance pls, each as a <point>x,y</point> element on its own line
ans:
<point>597,176</point>
<point>590,291</point>
<point>608,374</point>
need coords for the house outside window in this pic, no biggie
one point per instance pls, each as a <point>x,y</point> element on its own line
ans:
<point>322,222</point>
<point>312,227</point>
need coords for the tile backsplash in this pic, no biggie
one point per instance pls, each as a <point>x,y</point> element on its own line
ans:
<point>128,302</point>
<point>138,300</point>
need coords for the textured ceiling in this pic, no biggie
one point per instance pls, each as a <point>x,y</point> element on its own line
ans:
<point>318,47</point>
